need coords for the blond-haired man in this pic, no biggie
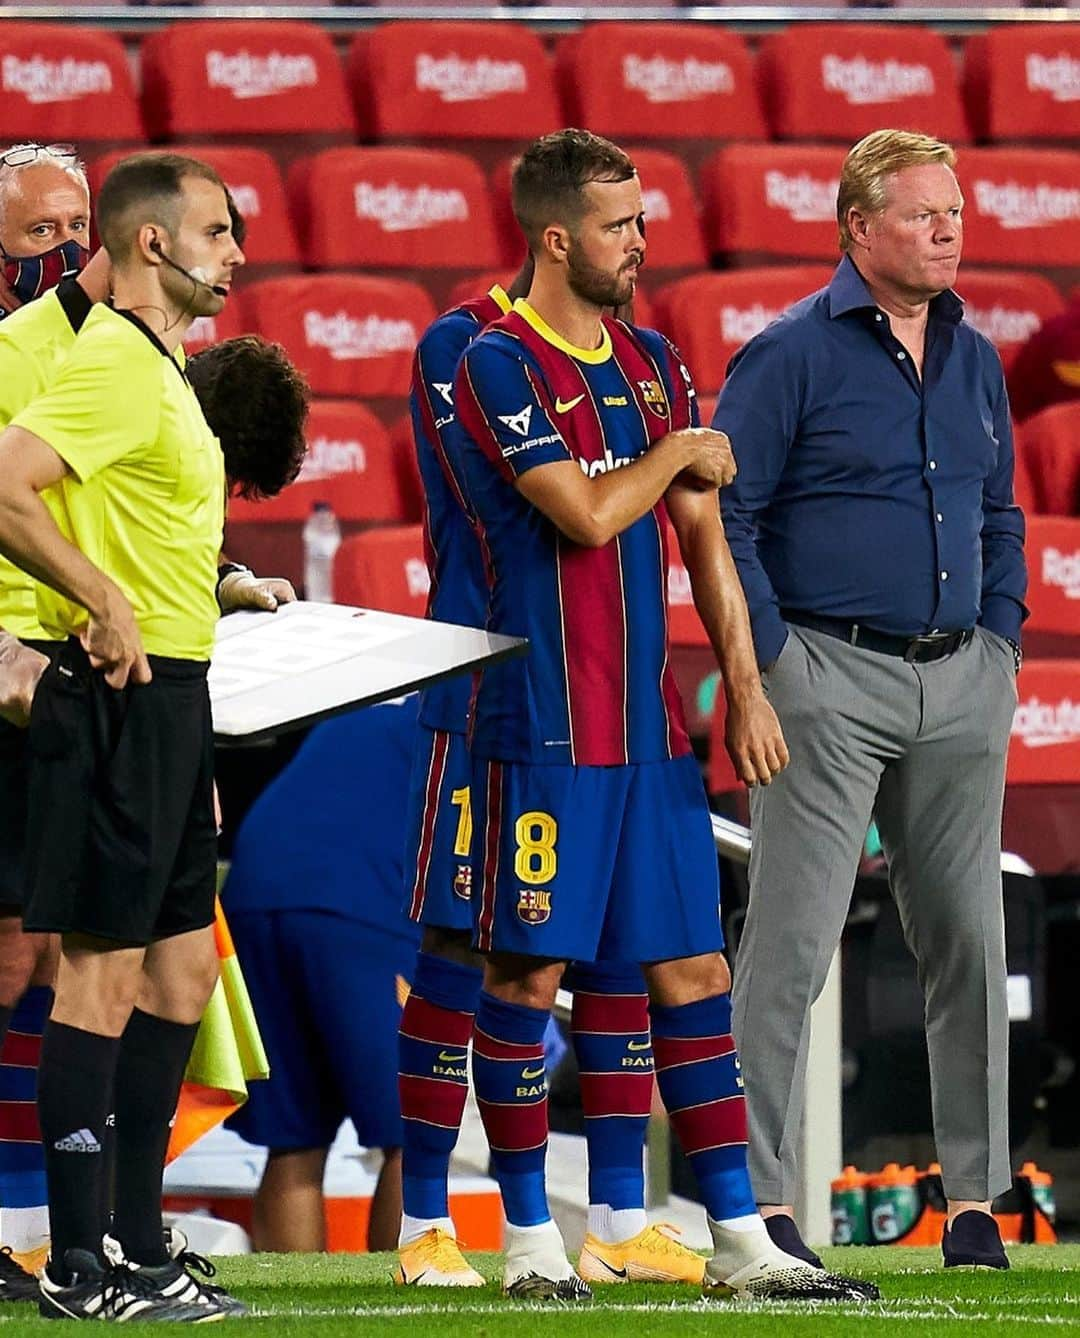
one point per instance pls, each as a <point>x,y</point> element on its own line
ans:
<point>873,524</point>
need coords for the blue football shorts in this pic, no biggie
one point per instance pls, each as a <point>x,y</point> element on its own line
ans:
<point>327,993</point>
<point>595,862</point>
<point>438,873</point>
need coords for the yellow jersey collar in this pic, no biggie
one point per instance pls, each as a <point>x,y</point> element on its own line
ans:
<point>499,296</point>
<point>589,355</point>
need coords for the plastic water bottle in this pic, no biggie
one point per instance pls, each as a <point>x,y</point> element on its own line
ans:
<point>322,536</point>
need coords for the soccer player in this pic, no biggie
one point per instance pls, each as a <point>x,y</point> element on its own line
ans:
<point>121,851</point>
<point>609,1024</point>
<point>314,904</point>
<point>591,829</point>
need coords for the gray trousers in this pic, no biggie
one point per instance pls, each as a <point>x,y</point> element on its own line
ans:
<point>923,746</point>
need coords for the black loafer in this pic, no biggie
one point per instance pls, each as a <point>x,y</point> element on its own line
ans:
<point>973,1241</point>
<point>784,1234</point>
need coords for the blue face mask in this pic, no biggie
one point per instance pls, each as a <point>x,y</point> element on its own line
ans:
<point>30,276</point>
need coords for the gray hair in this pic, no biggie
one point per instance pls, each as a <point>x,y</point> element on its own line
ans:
<point>73,166</point>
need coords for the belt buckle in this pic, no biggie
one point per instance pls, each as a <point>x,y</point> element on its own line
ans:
<point>929,639</point>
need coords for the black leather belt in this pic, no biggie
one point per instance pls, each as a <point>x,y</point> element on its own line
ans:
<point>914,649</point>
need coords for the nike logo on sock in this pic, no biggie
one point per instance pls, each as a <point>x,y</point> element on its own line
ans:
<point>638,1045</point>
<point>452,1059</point>
<point>527,1074</point>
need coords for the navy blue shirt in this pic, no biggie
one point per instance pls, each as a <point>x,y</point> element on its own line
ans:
<point>863,492</point>
<point>328,833</point>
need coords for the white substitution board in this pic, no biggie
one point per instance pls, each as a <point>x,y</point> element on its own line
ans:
<point>275,672</point>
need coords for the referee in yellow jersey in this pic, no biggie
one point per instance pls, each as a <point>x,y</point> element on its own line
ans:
<point>112,491</point>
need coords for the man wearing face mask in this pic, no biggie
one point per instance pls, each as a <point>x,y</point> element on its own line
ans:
<point>44,235</point>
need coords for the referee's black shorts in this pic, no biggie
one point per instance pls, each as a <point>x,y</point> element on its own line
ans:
<point>13,784</point>
<point>121,841</point>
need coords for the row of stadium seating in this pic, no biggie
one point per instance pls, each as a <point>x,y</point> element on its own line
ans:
<point>353,334</point>
<point>447,81</point>
<point>412,209</point>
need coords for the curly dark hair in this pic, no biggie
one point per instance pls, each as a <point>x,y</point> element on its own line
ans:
<point>257,403</point>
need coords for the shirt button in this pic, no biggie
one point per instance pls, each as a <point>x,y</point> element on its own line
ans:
<point>879,317</point>
<point>901,356</point>
<point>944,575</point>
<point>939,517</point>
<point>933,464</point>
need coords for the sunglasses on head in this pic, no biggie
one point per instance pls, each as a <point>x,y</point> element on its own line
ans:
<point>27,153</point>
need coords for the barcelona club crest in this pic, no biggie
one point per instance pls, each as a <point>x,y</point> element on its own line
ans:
<point>463,882</point>
<point>652,392</point>
<point>534,905</point>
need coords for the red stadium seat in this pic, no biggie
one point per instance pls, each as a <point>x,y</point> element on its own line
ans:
<point>431,81</point>
<point>1007,306</point>
<point>672,213</point>
<point>60,83</point>
<point>710,316</point>
<point>383,569</point>
<point>350,463</point>
<point>772,200</point>
<point>842,80</point>
<point>660,81</point>
<point>254,179</point>
<point>1022,81</point>
<point>393,208</point>
<point>207,330</point>
<point>408,468</point>
<point>1050,442</point>
<point>228,79</point>
<point>352,335</point>
<point>1023,207</point>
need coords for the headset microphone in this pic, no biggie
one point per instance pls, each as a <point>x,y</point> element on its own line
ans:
<point>197,275</point>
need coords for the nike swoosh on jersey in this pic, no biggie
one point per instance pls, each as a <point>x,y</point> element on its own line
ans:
<point>452,1059</point>
<point>564,406</point>
<point>532,1073</point>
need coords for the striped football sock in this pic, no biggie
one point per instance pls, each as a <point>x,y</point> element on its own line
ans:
<point>433,1044</point>
<point>610,1031</point>
<point>22,1158</point>
<point>697,1067</point>
<point>511,1090</point>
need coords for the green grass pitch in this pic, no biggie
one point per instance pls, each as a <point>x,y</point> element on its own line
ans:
<point>324,1296</point>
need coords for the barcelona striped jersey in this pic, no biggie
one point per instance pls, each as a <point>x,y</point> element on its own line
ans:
<point>459,589</point>
<point>596,688</point>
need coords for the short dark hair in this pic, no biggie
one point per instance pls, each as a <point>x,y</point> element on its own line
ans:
<point>549,179</point>
<point>236,218</point>
<point>256,402</point>
<point>145,188</point>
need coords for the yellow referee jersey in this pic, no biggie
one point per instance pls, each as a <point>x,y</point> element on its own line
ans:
<point>34,341</point>
<point>145,499</point>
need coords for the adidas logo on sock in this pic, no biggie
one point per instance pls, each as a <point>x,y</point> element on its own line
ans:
<point>82,1140</point>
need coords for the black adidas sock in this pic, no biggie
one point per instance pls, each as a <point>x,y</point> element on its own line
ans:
<point>75,1093</point>
<point>153,1056</point>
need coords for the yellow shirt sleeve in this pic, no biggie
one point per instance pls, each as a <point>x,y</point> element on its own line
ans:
<point>104,403</point>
